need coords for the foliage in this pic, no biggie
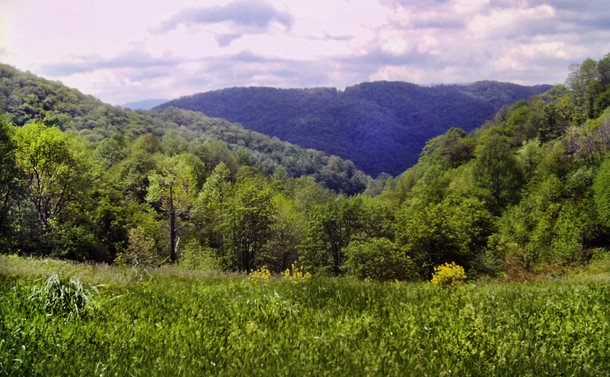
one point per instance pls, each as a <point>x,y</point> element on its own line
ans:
<point>378,259</point>
<point>140,250</point>
<point>380,126</point>
<point>601,188</point>
<point>448,275</point>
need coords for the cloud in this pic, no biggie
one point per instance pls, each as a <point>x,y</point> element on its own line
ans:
<point>134,58</point>
<point>244,17</point>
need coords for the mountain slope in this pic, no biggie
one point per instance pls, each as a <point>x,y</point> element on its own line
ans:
<point>25,97</point>
<point>381,126</point>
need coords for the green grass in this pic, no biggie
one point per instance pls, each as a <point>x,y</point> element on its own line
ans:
<point>174,322</point>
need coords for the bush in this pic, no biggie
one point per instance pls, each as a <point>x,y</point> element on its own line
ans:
<point>448,275</point>
<point>378,259</point>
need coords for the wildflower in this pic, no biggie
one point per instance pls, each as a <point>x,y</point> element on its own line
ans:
<point>296,274</point>
<point>261,275</point>
<point>448,275</point>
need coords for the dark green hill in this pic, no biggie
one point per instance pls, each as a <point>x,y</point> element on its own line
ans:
<point>25,97</point>
<point>381,126</point>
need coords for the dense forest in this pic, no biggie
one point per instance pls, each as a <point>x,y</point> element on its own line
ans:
<point>380,126</point>
<point>528,190</point>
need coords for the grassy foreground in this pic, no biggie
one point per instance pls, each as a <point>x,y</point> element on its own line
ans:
<point>173,322</point>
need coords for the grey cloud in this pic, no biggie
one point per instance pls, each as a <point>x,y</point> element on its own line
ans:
<point>443,22</point>
<point>134,58</point>
<point>253,14</point>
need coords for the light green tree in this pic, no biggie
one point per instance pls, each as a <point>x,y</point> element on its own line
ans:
<point>497,171</point>
<point>175,186</point>
<point>55,169</point>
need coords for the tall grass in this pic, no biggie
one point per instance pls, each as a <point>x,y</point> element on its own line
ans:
<point>189,324</point>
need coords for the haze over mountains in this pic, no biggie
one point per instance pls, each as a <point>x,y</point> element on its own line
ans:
<point>146,104</point>
<point>380,126</point>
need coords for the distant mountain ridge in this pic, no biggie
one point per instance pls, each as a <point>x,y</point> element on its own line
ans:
<point>381,126</point>
<point>146,104</point>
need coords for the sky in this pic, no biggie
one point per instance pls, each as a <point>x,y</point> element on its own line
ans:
<point>128,50</point>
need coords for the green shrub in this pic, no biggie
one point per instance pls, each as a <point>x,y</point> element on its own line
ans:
<point>378,259</point>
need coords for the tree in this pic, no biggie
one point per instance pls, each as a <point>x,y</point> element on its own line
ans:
<point>54,169</point>
<point>332,228</point>
<point>9,175</point>
<point>455,230</point>
<point>212,207</point>
<point>497,171</point>
<point>175,186</point>
<point>248,222</point>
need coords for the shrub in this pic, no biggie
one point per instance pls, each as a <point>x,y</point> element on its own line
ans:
<point>448,275</point>
<point>378,259</point>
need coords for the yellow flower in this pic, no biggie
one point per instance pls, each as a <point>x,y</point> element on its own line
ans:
<point>448,275</point>
<point>295,274</point>
<point>261,275</point>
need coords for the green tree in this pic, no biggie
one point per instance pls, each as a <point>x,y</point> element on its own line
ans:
<point>497,171</point>
<point>248,222</point>
<point>9,175</point>
<point>175,186</point>
<point>332,227</point>
<point>212,207</point>
<point>54,167</point>
<point>455,230</point>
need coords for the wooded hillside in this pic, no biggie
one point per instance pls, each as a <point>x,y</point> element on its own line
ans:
<point>381,126</point>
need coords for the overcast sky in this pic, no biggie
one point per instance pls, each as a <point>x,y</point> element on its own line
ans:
<point>128,50</point>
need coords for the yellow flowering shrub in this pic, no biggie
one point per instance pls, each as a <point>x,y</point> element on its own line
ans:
<point>448,275</point>
<point>261,275</point>
<point>296,274</point>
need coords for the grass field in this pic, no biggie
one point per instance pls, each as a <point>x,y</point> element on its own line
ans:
<point>179,323</point>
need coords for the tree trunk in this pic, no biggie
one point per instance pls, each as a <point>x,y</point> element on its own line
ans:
<point>172,227</point>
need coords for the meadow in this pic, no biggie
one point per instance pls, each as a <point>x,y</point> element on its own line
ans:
<point>106,321</point>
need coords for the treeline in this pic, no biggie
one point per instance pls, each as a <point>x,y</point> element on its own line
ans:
<point>381,126</point>
<point>528,190</point>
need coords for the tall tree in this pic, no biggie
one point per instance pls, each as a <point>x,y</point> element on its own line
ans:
<point>497,171</point>
<point>175,186</point>
<point>54,167</point>
<point>332,228</point>
<point>248,222</point>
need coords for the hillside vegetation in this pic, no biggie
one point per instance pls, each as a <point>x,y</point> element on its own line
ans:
<point>528,192</point>
<point>25,98</point>
<point>381,126</point>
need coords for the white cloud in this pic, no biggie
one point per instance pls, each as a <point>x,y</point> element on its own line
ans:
<point>130,50</point>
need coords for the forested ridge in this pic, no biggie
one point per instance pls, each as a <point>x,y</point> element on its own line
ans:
<point>528,190</point>
<point>381,126</point>
<point>26,98</point>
